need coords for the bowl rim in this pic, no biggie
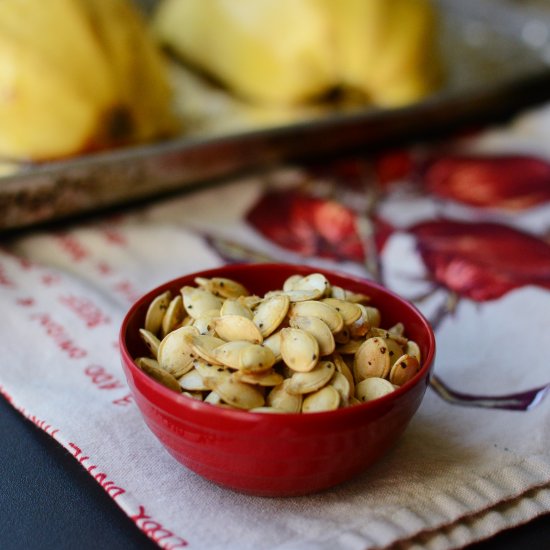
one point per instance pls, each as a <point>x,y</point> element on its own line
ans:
<point>245,415</point>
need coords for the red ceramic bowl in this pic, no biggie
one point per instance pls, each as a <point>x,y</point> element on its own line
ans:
<point>277,454</point>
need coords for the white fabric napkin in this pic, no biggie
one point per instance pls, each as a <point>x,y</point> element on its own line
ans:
<point>459,474</point>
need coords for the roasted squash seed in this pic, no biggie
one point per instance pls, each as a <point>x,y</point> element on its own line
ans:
<point>372,388</point>
<point>349,312</point>
<point>299,349</point>
<point>229,353</point>
<point>340,383</point>
<point>319,330</point>
<point>237,327</point>
<point>267,378</point>
<point>140,361</point>
<point>292,282</point>
<point>151,341</point>
<point>256,358</point>
<point>269,314</point>
<point>403,370</point>
<point>174,315</point>
<point>239,394</point>
<point>326,399</point>
<point>204,345</point>
<point>205,323</point>
<point>235,307</point>
<point>412,349</point>
<point>372,359</point>
<point>193,381</point>
<point>156,311</point>
<point>226,288</point>
<point>279,398</point>
<point>310,346</point>
<point>160,375</point>
<point>307,382</point>
<point>175,355</point>
<point>197,301</point>
<point>325,312</point>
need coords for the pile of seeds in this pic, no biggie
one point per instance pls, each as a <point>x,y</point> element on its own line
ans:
<point>311,346</point>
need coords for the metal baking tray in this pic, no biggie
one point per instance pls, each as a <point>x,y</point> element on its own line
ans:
<point>497,60</point>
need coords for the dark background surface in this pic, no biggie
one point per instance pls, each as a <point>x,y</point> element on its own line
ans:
<point>48,501</point>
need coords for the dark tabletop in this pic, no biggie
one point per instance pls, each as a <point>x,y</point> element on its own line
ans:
<point>48,501</point>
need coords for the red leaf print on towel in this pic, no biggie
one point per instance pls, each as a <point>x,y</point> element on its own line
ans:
<point>351,174</point>
<point>310,226</point>
<point>482,261</point>
<point>508,182</point>
<point>393,166</point>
